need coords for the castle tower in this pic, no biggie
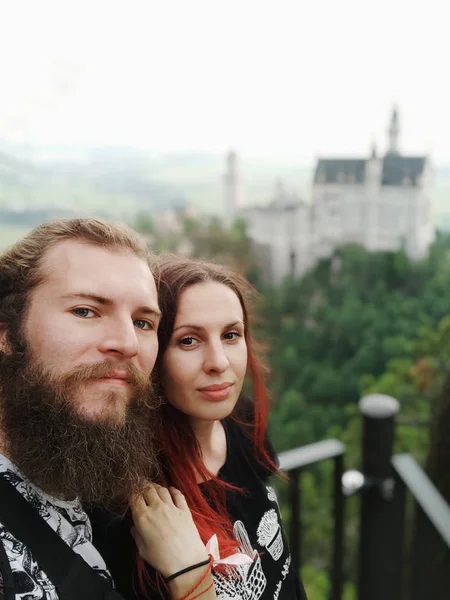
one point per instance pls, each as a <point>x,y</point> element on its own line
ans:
<point>394,132</point>
<point>373,178</point>
<point>232,189</point>
<point>373,153</point>
<point>280,191</point>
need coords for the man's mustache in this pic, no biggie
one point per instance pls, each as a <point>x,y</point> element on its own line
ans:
<point>106,369</point>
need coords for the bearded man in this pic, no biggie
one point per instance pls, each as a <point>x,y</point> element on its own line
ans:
<point>78,342</point>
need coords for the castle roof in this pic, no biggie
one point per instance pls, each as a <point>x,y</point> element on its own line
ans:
<point>331,170</point>
<point>396,169</point>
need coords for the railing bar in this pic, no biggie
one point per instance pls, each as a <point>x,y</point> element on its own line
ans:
<point>425,493</point>
<point>310,454</point>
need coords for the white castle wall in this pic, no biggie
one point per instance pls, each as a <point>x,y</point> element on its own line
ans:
<point>358,207</point>
<point>377,217</point>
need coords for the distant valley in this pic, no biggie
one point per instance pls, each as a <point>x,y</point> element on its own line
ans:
<point>120,183</point>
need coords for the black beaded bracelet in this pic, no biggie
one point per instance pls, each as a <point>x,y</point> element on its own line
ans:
<point>187,569</point>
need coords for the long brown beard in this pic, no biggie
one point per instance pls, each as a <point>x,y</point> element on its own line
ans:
<point>65,453</point>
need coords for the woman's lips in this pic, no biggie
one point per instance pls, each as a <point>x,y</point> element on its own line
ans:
<point>217,392</point>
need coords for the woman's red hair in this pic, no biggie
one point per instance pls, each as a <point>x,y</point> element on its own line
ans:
<point>181,458</point>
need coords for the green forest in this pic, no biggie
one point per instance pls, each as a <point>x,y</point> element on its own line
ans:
<point>357,323</point>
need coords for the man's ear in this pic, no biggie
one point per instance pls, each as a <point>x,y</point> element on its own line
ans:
<point>4,346</point>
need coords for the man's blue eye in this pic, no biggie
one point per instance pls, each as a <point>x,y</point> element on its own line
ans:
<point>84,313</point>
<point>142,324</point>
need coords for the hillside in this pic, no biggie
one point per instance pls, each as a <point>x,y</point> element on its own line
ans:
<point>119,183</point>
<point>122,181</point>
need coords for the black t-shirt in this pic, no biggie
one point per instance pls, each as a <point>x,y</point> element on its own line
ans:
<point>257,527</point>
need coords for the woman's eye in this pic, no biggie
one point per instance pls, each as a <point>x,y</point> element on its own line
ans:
<point>142,324</point>
<point>84,313</point>
<point>232,335</point>
<point>188,341</point>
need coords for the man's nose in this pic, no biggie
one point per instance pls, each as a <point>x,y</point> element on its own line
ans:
<point>120,339</point>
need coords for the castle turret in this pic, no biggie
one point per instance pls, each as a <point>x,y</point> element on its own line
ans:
<point>394,132</point>
<point>232,189</point>
<point>373,177</point>
<point>373,153</point>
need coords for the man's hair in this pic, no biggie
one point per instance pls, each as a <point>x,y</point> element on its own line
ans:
<point>21,265</point>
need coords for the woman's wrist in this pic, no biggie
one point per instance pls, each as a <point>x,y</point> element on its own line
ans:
<point>184,562</point>
<point>184,583</point>
<point>192,567</point>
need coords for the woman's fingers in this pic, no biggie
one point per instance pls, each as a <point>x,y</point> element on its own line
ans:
<point>164,531</point>
<point>163,493</point>
<point>178,499</point>
<point>150,494</point>
<point>138,506</point>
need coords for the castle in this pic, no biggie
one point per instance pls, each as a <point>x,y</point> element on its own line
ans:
<point>379,202</point>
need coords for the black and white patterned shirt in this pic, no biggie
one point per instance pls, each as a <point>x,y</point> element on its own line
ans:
<point>67,518</point>
<point>257,527</point>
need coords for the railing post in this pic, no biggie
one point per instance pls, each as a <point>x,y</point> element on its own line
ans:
<point>430,563</point>
<point>379,564</point>
<point>295,501</point>
<point>338,531</point>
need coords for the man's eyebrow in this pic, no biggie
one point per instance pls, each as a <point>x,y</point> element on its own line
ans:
<point>201,328</point>
<point>104,301</point>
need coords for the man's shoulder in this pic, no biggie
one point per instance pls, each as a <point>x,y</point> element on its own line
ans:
<point>67,519</point>
<point>19,572</point>
<point>15,560</point>
<point>6,576</point>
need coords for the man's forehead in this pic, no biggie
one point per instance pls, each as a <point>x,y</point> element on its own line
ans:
<point>72,261</point>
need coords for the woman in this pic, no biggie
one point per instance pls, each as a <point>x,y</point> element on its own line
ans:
<point>213,442</point>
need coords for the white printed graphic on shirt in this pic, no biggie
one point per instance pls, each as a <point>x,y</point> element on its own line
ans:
<point>69,521</point>
<point>284,573</point>
<point>270,535</point>
<point>271,494</point>
<point>246,582</point>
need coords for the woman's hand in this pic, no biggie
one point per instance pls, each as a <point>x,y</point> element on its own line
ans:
<point>164,531</point>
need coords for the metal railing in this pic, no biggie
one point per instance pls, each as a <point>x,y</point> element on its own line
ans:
<point>388,568</point>
<point>432,524</point>
<point>293,462</point>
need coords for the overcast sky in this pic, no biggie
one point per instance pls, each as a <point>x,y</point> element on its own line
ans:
<point>300,78</point>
